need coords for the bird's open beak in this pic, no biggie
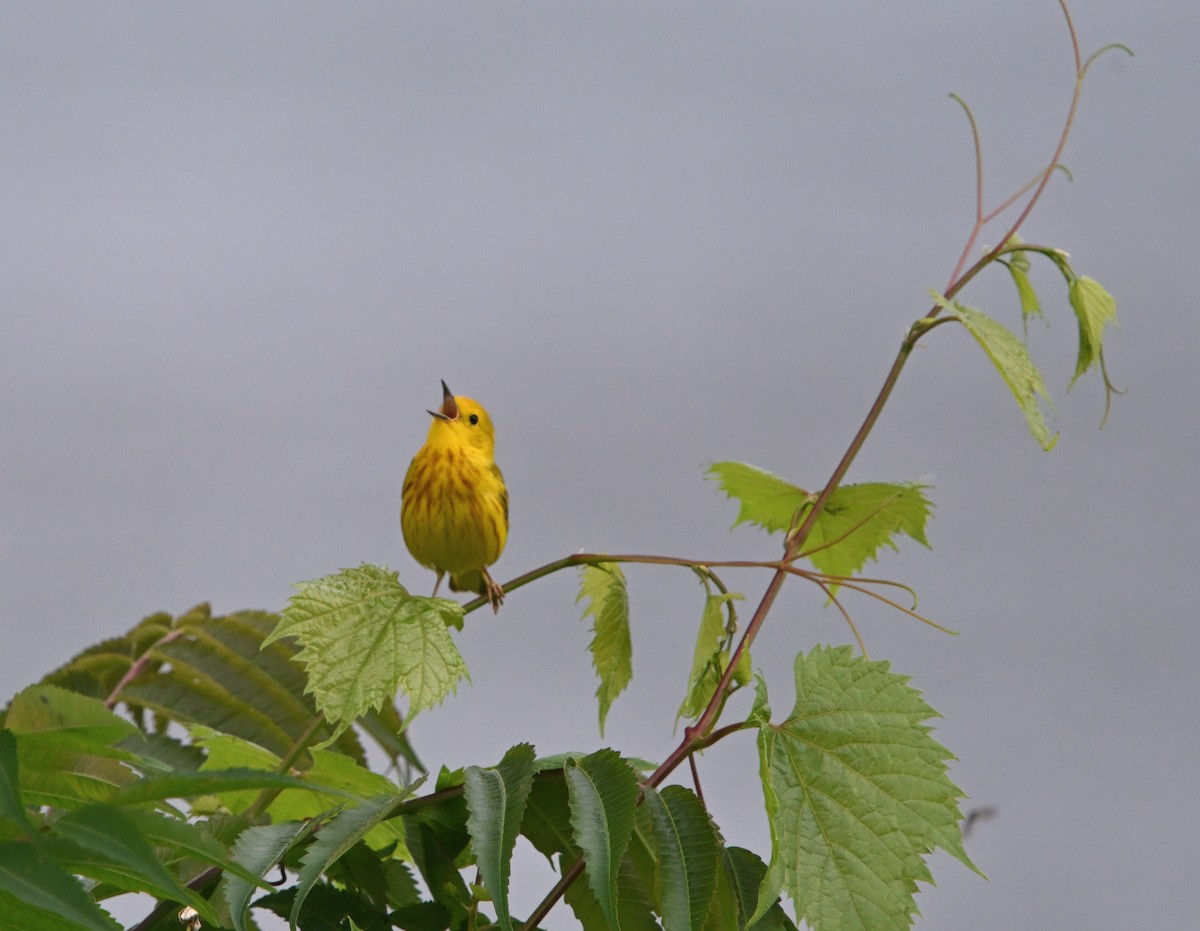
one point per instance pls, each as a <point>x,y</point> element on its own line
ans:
<point>448,410</point>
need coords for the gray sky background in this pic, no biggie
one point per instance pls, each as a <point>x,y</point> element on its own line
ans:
<point>242,244</point>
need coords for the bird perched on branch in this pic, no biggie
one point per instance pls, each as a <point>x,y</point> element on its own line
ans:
<point>454,506</point>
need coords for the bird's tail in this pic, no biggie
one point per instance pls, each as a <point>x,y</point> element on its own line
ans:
<point>468,582</point>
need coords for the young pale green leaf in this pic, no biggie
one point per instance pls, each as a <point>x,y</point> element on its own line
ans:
<point>1012,361</point>
<point>764,498</point>
<point>857,522</point>
<point>710,656</point>
<point>860,520</point>
<point>496,799</point>
<point>857,795</point>
<point>38,884</point>
<point>257,850</point>
<point>603,791</point>
<point>760,711</point>
<point>1094,308</point>
<point>346,829</point>
<point>363,636</point>
<point>612,648</point>
<point>1018,266</point>
<point>687,852</point>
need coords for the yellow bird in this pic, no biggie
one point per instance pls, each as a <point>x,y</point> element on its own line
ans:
<point>454,506</point>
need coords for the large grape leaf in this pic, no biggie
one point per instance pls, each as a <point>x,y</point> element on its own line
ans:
<point>857,795</point>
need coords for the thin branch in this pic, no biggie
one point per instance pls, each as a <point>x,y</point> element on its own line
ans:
<point>956,282</point>
<point>978,157</point>
<point>560,887</point>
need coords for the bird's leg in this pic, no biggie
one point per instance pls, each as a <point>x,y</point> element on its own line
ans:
<point>438,583</point>
<point>493,590</point>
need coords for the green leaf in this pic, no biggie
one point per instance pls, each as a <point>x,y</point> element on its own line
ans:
<point>603,792</point>
<point>711,655</point>
<point>28,875</point>
<point>764,498</point>
<point>11,805</point>
<point>257,850</point>
<point>184,840</point>
<point>110,833</point>
<point>635,905</point>
<point>439,842</point>
<point>496,799</point>
<point>82,723</point>
<point>860,520</point>
<point>346,829</point>
<point>744,871</point>
<point>1094,308</point>
<point>65,743</point>
<point>203,669</point>
<point>687,851</point>
<point>612,648</point>
<point>547,822</point>
<point>331,778</point>
<point>857,522</point>
<point>363,636</point>
<point>1012,361</point>
<point>329,909</point>
<point>214,782</point>
<point>857,795</point>
<point>1018,266</point>
<point>96,671</point>
<point>760,711</point>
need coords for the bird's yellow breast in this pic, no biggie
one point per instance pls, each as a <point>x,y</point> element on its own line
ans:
<point>454,510</point>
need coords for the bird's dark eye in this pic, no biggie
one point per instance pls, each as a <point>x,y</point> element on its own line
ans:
<point>474,418</point>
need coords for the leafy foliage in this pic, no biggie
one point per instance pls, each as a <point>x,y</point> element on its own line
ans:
<point>191,756</point>
<point>718,626</point>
